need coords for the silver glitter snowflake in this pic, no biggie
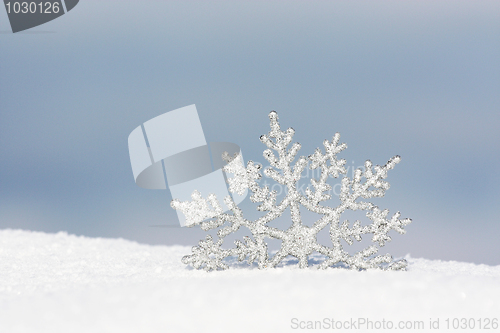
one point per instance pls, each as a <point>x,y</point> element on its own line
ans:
<point>298,240</point>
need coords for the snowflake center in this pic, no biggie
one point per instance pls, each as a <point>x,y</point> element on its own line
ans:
<point>300,241</point>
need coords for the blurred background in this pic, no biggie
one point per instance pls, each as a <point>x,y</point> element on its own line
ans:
<point>420,79</point>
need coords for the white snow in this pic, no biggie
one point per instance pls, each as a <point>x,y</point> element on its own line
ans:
<point>66,283</point>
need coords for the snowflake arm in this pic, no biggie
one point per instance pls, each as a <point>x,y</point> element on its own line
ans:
<point>198,209</point>
<point>207,255</point>
<point>243,177</point>
<point>381,225</point>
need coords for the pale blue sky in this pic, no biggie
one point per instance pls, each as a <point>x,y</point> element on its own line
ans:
<point>416,78</point>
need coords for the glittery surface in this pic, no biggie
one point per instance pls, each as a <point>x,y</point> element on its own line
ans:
<point>298,240</point>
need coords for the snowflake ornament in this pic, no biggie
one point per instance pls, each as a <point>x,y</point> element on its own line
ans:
<point>298,240</point>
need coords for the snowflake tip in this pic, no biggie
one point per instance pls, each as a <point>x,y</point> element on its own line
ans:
<point>393,161</point>
<point>336,138</point>
<point>174,203</point>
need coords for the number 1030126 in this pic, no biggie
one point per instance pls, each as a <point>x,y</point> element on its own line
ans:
<point>472,323</point>
<point>33,7</point>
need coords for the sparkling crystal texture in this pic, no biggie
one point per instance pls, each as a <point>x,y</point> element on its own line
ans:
<point>298,240</point>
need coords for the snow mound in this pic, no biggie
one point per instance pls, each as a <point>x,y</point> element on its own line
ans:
<point>66,283</point>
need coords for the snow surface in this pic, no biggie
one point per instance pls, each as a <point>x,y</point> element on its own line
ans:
<point>66,283</point>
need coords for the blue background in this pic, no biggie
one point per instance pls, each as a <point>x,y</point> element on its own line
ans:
<point>416,78</point>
